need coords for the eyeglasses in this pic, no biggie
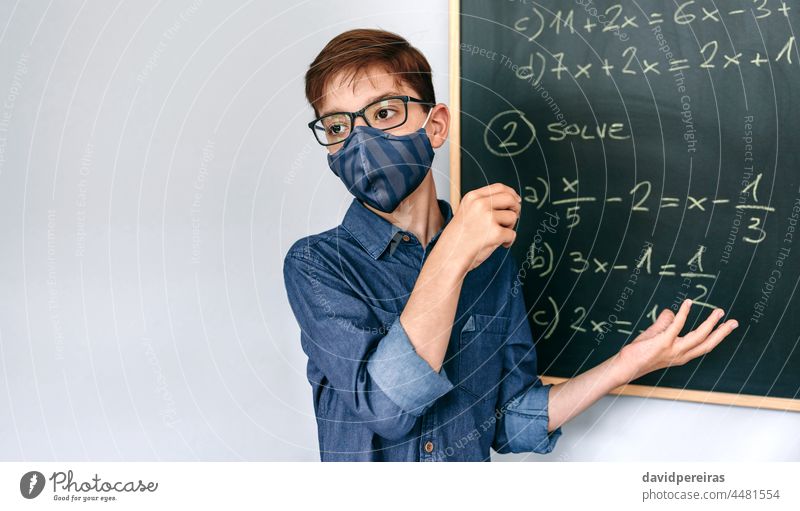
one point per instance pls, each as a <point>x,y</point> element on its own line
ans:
<point>385,114</point>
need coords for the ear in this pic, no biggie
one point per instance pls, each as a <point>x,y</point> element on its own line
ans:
<point>438,125</point>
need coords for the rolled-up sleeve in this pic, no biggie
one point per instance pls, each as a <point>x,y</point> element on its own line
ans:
<point>523,402</point>
<point>371,366</point>
<point>403,375</point>
<point>523,423</point>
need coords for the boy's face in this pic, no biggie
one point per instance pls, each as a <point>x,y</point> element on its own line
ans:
<point>375,83</point>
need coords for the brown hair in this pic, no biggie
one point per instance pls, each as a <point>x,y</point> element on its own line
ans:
<point>352,51</point>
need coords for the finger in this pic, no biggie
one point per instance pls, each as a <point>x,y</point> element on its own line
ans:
<point>505,217</point>
<point>697,335</point>
<point>495,188</point>
<point>664,318</point>
<point>516,208</point>
<point>501,201</point>
<point>674,328</point>
<point>486,190</point>
<point>507,237</point>
<point>711,341</point>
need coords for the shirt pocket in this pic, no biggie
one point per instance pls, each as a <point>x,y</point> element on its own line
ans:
<point>480,355</point>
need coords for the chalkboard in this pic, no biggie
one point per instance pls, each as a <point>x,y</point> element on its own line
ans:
<point>656,146</point>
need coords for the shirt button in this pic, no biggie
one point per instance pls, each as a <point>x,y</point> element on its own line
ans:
<point>429,446</point>
<point>406,237</point>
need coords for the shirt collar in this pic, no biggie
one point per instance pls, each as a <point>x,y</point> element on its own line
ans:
<point>375,233</point>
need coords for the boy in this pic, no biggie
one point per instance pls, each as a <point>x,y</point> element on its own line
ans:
<point>417,348</point>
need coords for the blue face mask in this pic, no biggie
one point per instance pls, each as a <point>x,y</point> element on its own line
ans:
<point>382,169</point>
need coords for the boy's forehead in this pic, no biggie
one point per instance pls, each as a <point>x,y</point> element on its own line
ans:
<point>348,91</point>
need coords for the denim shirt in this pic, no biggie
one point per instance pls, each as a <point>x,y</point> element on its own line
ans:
<point>375,398</point>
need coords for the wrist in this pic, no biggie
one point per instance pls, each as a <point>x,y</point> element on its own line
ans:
<point>450,258</point>
<point>623,368</point>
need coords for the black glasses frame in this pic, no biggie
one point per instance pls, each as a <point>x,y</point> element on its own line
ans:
<point>360,113</point>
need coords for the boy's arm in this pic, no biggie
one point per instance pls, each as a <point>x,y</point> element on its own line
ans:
<point>366,358</point>
<point>656,348</point>
<point>484,221</point>
<point>530,414</point>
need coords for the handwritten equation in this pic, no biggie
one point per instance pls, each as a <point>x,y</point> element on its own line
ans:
<point>641,201</point>
<point>540,258</point>
<point>617,19</point>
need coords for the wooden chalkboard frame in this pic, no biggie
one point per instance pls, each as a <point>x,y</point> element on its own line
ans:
<point>697,396</point>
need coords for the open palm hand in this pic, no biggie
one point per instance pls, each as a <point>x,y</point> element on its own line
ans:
<point>660,345</point>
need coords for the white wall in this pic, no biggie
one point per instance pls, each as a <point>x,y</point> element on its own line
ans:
<point>154,169</point>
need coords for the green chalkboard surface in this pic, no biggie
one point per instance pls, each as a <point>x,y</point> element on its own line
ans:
<point>656,145</point>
